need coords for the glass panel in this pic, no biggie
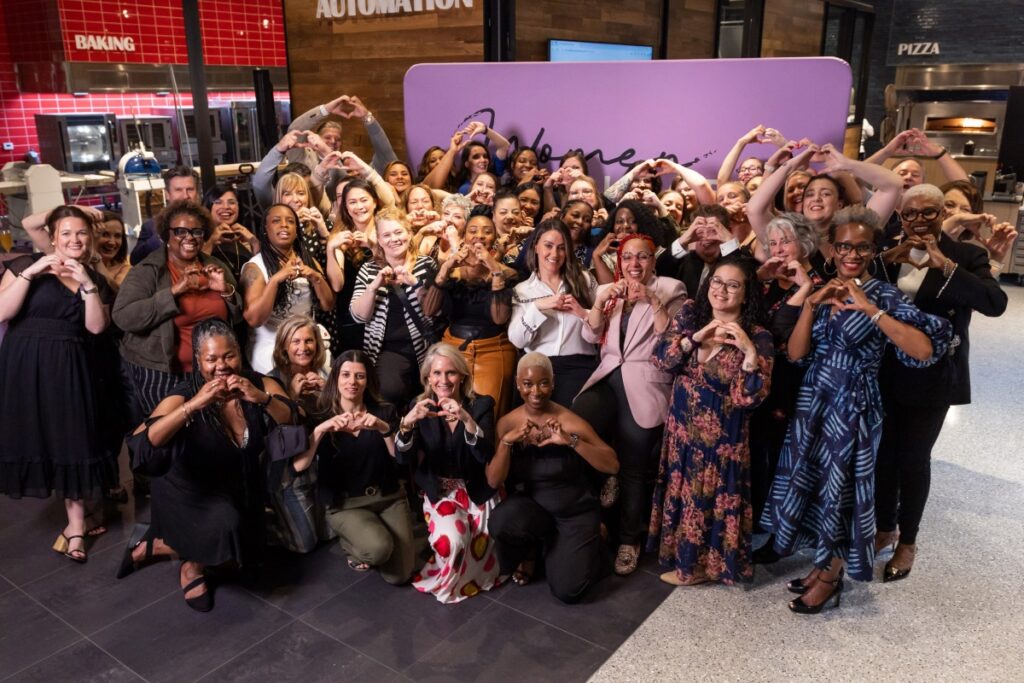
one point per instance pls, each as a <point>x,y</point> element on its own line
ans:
<point>730,28</point>
<point>88,143</point>
<point>159,136</point>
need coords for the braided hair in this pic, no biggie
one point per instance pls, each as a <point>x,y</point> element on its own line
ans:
<point>273,261</point>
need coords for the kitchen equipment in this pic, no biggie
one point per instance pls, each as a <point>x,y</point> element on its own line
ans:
<point>183,127</point>
<point>77,143</point>
<point>153,131</point>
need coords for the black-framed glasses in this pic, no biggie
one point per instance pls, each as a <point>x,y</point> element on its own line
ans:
<point>731,285</point>
<point>863,249</point>
<point>182,233</point>
<point>929,214</point>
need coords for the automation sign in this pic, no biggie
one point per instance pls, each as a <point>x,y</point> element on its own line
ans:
<point>350,9</point>
<point>929,32</point>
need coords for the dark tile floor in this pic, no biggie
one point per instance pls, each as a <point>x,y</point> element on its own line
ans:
<point>305,618</point>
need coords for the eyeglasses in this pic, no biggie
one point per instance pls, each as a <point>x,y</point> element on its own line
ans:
<point>731,285</point>
<point>929,214</point>
<point>182,233</point>
<point>642,257</point>
<point>862,249</point>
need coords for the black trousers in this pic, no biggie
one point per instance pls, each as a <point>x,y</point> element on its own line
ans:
<point>903,470</point>
<point>606,408</point>
<point>399,377</point>
<point>562,521</point>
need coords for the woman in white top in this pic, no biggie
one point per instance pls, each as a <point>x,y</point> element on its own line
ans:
<point>549,310</point>
<point>279,282</point>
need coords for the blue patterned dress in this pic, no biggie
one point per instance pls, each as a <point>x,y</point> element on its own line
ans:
<point>701,521</point>
<point>823,495</point>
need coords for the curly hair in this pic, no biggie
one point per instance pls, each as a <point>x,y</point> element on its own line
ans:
<point>646,222</point>
<point>752,311</point>
<point>858,215</point>
<point>183,207</point>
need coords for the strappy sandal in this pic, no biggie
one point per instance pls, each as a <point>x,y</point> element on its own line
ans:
<point>357,566</point>
<point>200,603</point>
<point>63,546</point>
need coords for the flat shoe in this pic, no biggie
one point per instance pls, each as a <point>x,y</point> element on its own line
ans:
<point>626,559</point>
<point>200,603</point>
<point>673,579</point>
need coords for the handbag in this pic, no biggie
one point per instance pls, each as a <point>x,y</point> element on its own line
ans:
<point>286,441</point>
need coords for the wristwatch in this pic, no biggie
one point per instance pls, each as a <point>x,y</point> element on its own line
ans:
<point>84,290</point>
<point>368,119</point>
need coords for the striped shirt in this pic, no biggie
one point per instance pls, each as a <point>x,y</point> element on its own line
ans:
<point>424,271</point>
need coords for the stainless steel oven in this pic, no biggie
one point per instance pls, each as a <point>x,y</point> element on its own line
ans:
<point>185,140</point>
<point>77,143</point>
<point>241,125</point>
<point>153,131</point>
<point>972,127</point>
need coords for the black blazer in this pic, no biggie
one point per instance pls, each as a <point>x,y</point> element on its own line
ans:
<point>428,447</point>
<point>971,288</point>
<point>686,269</point>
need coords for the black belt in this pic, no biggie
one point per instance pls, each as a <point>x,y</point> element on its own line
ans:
<point>469,334</point>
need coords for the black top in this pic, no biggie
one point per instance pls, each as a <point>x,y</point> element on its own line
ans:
<point>350,464</point>
<point>441,452</point>
<point>396,332</point>
<point>971,288</point>
<point>467,307</point>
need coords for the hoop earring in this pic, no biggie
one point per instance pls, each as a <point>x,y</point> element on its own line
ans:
<point>825,265</point>
<point>873,267</point>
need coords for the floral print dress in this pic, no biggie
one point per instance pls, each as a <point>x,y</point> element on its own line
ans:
<point>702,522</point>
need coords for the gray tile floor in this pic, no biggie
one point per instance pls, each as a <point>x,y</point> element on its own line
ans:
<point>958,617</point>
<point>306,618</point>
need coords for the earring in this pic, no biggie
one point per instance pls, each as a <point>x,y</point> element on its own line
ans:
<point>825,266</point>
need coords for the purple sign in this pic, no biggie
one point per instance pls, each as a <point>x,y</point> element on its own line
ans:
<point>622,112</point>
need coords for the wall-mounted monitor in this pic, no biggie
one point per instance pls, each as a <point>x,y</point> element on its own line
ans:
<point>579,51</point>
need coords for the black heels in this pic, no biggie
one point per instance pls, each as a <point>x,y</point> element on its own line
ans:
<point>801,607</point>
<point>894,573</point>
<point>128,563</point>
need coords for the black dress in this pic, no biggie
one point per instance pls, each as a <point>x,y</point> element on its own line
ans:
<point>48,414</point>
<point>207,491</point>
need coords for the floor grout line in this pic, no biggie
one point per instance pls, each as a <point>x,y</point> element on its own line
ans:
<point>556,627</point>
<point>351,647</point>
<point>239,654</point>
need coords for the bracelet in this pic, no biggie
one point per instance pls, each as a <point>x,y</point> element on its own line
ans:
<point>574,439</point>
<point>949,278</point>
<point>507,444</point>
<point>947,268</point>
<point>368,119</point>
<point>26,277</point>
<point>941,154</point>
<point>270,397</point>
<point>879,314</point>
<point>187,412</point>
<point>228,295</point>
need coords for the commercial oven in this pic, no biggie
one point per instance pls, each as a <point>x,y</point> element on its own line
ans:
<point>240,122</point>
<point>185,140</point>
<point>77,143</point>
<point>153,131</point>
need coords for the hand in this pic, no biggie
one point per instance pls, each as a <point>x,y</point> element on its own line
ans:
<point>556,435</point>
<point>571,305</point>
<point>342,240</point>
<point>711,230</point>
<point>355,166</point>
<point>549,303</point>
<point>521,433</point>
<point>331,160</point>
<point>403,276</point>
<point>936,259</point>
<point>834,291</point>
<point>291,139</point>
<point>769,270</point>
<point>772,136</point>
<point>706,332</point>
<point>47,264</point>
<point>482,196</point>
<point>368,420</point>
<point>754,134</point>
<point>651,199</point>
<point>898,146</point>
<point>736,336</point>
<point>475,128</point>
<point>215,278</point>
<point>311,274</point>
<point>1002,240</point>
<point>616,290</point>
<point>422,217</point>
<point>458,141</point>
<point>338,423</point>
<point>600,217</point>
<point>297,385</point>
<point>385,276</point>
<point>690,235</point>
<point>922,145</point>
<point>193,280</point>
<point>450,410</point>
<point>458,256</point>
<point>214,391</point>
<point>794,270</point>
<point>484,256</point>
<point>966,226</point>
<point>856,300</point>
<point>361,239</point>
<point>553,213</point>
<point>240,387</point>
<point>637,292</point>
<point>901,252</point>
<point>833,159</point>
<point>424,408</point>
<point>78,273</point>
<point>347,107</point>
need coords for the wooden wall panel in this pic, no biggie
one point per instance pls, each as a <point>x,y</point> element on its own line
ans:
<point>368,57</point>
<point>792,28</point>
<point>610,21</point>
<point>691,29</point>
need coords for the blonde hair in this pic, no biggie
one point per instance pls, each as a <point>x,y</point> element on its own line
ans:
<point>290,182</point>
<point>442,350</point>
<point>284,336</point>
<point>394,215</point>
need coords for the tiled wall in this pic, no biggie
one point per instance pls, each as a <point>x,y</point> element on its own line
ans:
<point>233,34</point>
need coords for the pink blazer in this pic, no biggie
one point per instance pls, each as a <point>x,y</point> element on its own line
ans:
<point>648,389</point>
